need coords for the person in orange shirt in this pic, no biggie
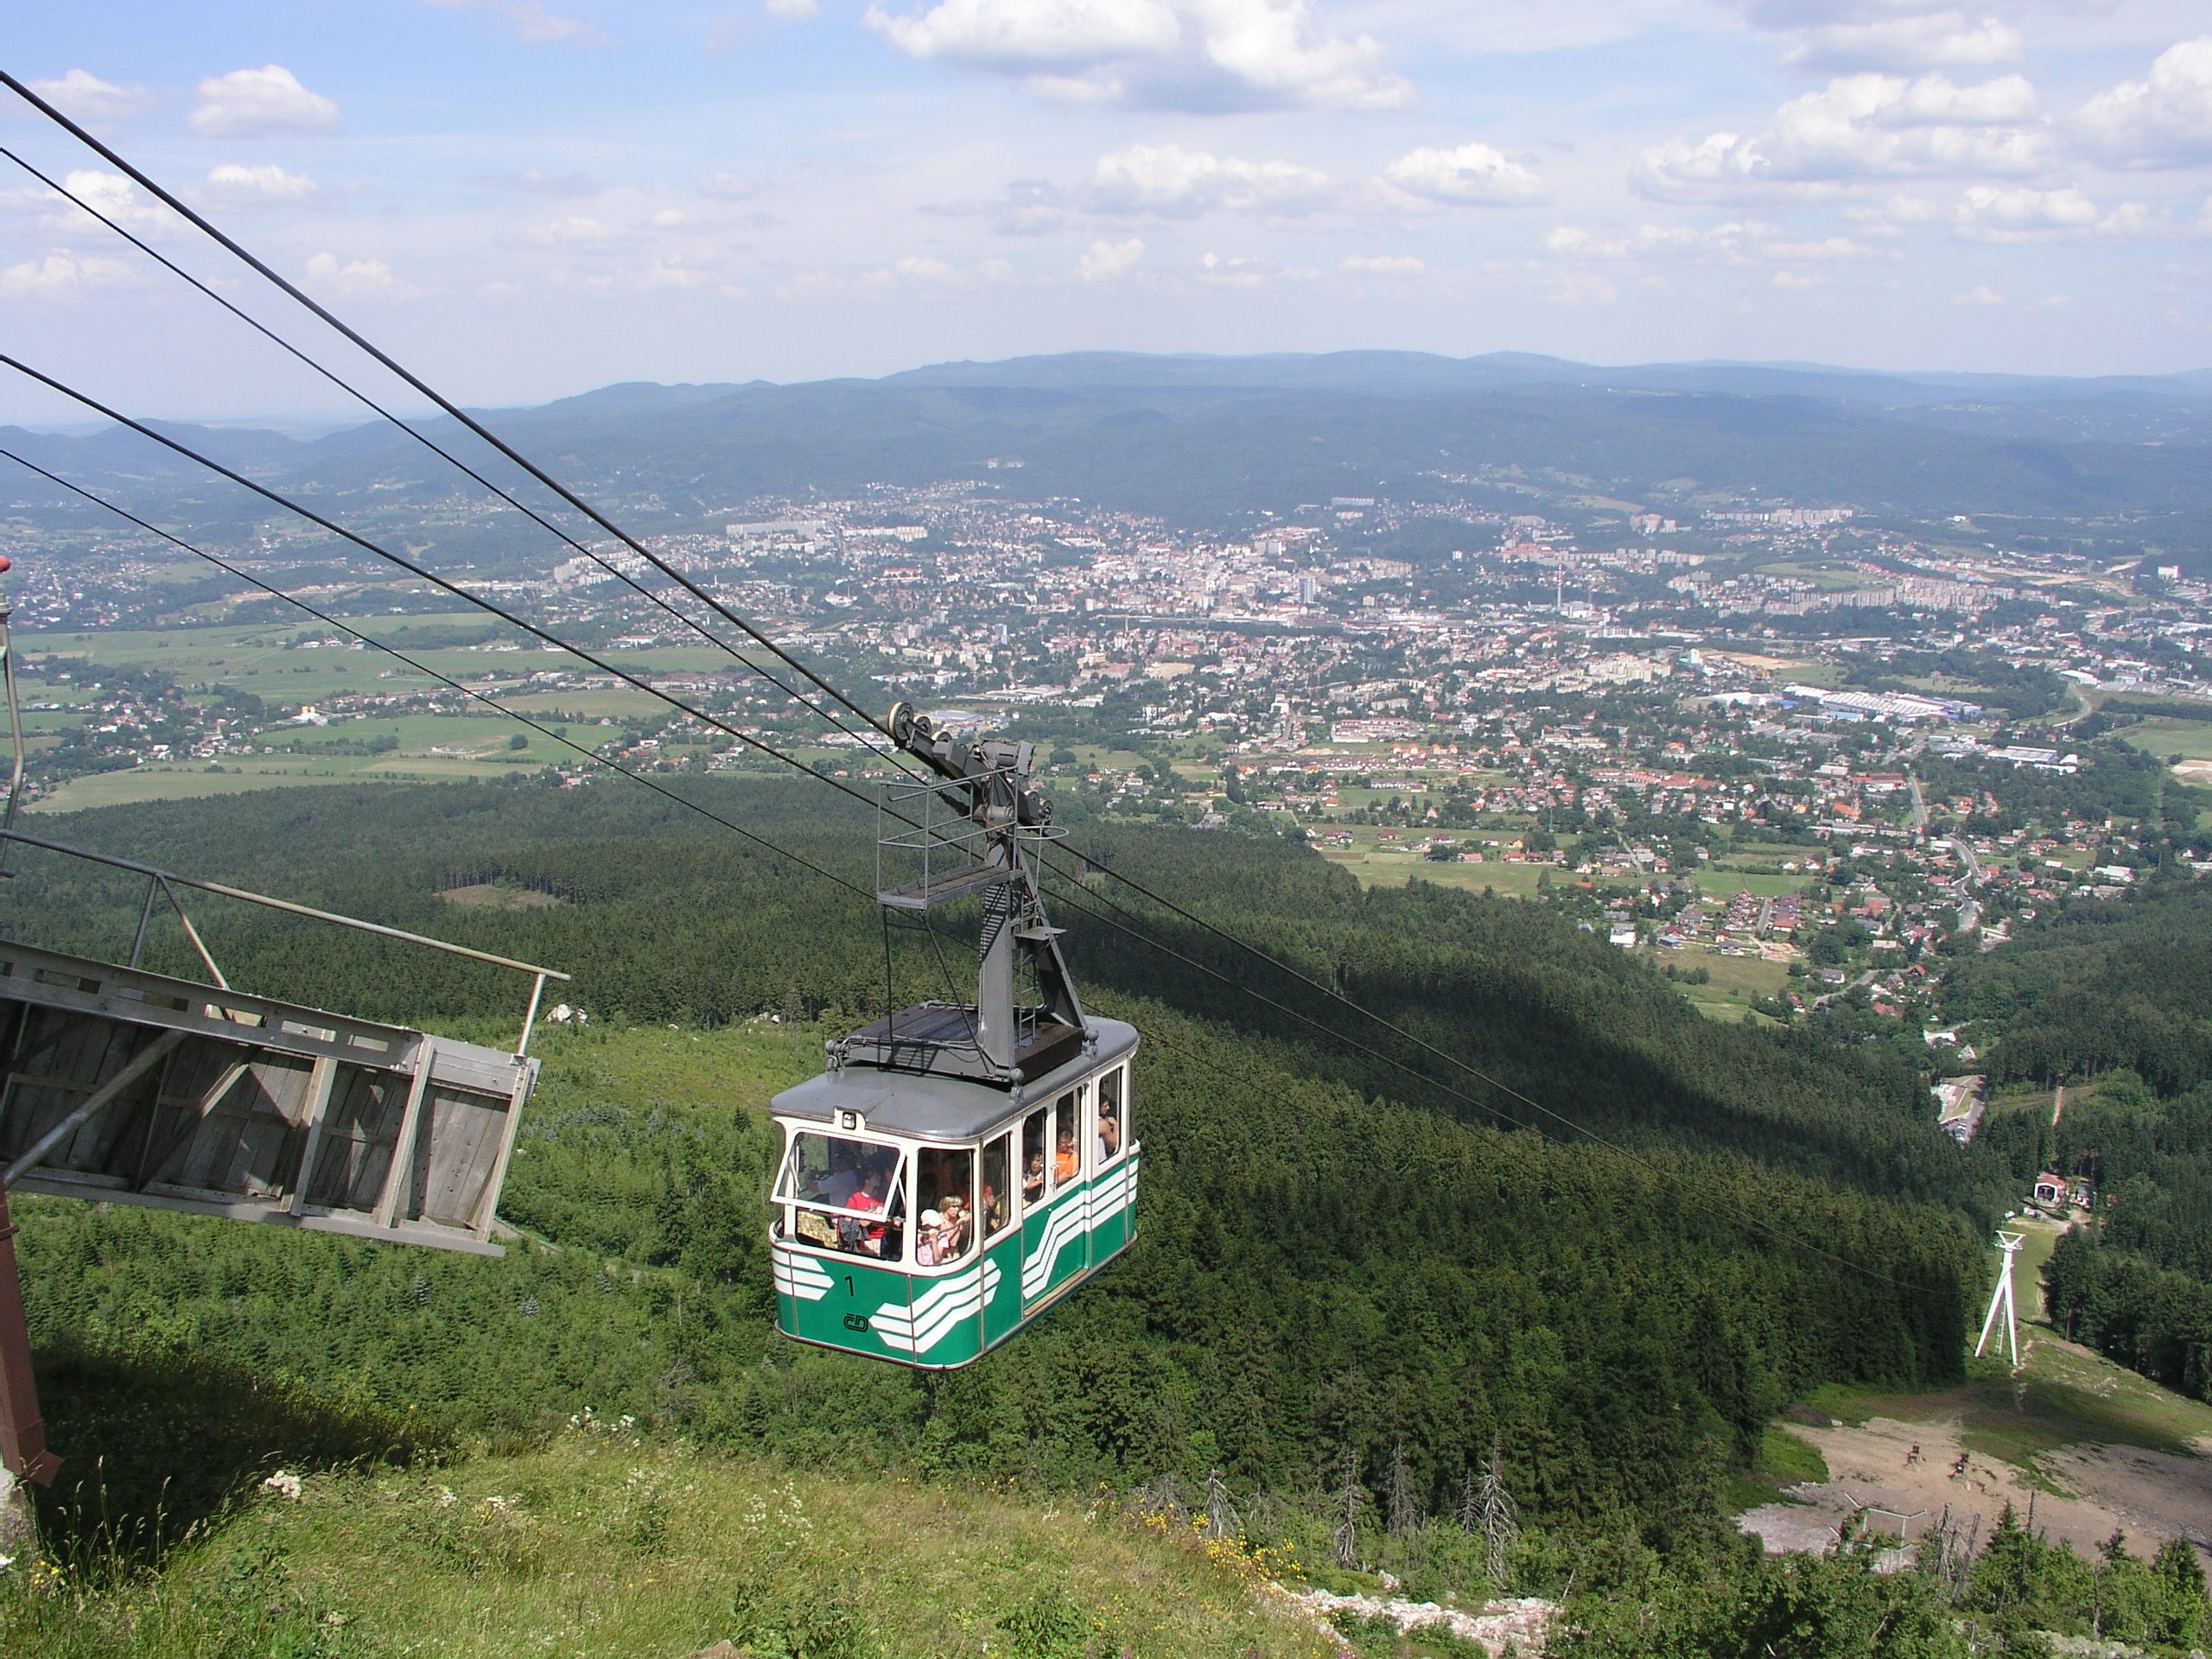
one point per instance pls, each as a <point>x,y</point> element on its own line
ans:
<point>1065,1162</point>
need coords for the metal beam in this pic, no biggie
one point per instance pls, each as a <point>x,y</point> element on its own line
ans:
<point>99,1100</point>
<point>399,1173</point>
<point>168,877</point>
<point>318,1106</point>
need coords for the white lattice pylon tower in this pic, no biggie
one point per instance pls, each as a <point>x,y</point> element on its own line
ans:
<point>2001,1296</point>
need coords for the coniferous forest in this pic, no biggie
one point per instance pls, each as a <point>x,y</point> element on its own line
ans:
<point>1349,1277</point>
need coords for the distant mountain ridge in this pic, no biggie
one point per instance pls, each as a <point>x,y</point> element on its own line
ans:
<point>1200,439</point>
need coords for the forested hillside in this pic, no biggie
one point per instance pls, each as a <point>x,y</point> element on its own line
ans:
<point>2114,995</point>
<point>662,916</point>
<point>1323,1271</point>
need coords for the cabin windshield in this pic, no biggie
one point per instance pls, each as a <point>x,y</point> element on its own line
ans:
<point>845,1195</point>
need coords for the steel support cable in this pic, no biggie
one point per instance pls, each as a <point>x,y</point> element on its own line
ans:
<point>426,671</point>
<point>200,222</point>
<point>613,530</point>
<point>424,574</point>
<point>1330,1032</point>
<point>445,455</point>
<point>280,499</point>
<point>468,420</point>
<point>1338,997</point>
<point>1744,1218</point>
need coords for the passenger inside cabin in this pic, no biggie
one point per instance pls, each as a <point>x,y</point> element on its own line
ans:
<point>994,1213</point>
<point>956,1229</point>
<point>925,1239</point>
<point>1032,1178</point>
<point>844,1177</point>
<point>865,1238</point>
<point>1109,1133</point>
<point>1066,1161</point>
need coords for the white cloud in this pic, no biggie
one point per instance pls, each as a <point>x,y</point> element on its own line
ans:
<point>2021,212</point>
<point>62,275</point>
<point>1942,39</point>
<point>253,187</point>
<point>1472,175</point>
<point>1580,288</point>
<point>85,97</point>
<point>791,11</point>
<point>2165,120</point>
<point>530,20</point>
<point>913,272</point>
<point>728,186</point>
<point>532,182</point>
<point>1573,242</point>
<point>1982,294</point>
<point>1168,178</point>
<point>1826,248</point>
<point>1108,261</point>
<point>358,279</point>
<point>575,231</point>
<point>933,272</point>
<point>1384,265</point>
<point>1859,126</point>
<point>1240,270</point>
<point>247,102</point>
<point>111,195</point>
<point>1193,54</point>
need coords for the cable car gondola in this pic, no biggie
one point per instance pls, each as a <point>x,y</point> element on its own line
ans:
<point>958,1168</point>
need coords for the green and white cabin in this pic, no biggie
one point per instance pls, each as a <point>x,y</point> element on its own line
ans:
<point>958,1168</point>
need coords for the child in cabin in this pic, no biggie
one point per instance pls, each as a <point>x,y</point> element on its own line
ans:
<point>1033,1178</point>
<point>1065,1162</point>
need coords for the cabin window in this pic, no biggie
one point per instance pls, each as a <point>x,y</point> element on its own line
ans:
<point>1113,1117</point>
<point>945,1184</point>
<point>1067,1150</point>
<point>1036,1130</point>
<point>844,1194</point>
<point>996,1207</point>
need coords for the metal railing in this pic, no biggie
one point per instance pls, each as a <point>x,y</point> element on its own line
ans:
<point>163,885</point>
<point>928,831</point>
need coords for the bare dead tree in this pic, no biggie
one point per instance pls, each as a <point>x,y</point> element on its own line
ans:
<point>1495,1518</point>
<point>1162,1497</point>
<point>1345,1537</point>
<point>1222,1519</point>
<point>1402,1513</point>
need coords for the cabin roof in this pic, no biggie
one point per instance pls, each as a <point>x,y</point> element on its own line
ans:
<point>939,1107</point>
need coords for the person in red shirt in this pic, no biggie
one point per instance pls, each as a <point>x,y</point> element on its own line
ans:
<point>866,1236</point>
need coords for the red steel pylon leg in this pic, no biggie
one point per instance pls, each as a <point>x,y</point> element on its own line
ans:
<point>22,1436</point>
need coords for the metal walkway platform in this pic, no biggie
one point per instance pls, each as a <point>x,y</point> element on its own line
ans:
<point>167,1093</point>
<point>129,1086</point>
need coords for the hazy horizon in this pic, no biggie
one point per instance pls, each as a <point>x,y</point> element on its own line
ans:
<point>527,200</point>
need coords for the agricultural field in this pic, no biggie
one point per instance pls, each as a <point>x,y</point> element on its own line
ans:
<point>1737,981</point>
<point>1377,862</point>
<point>2190,739</point>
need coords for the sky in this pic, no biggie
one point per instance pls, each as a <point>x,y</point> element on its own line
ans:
<point>526,198</point>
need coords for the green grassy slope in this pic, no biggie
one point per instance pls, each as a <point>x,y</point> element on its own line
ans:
<point>600,1543</point>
